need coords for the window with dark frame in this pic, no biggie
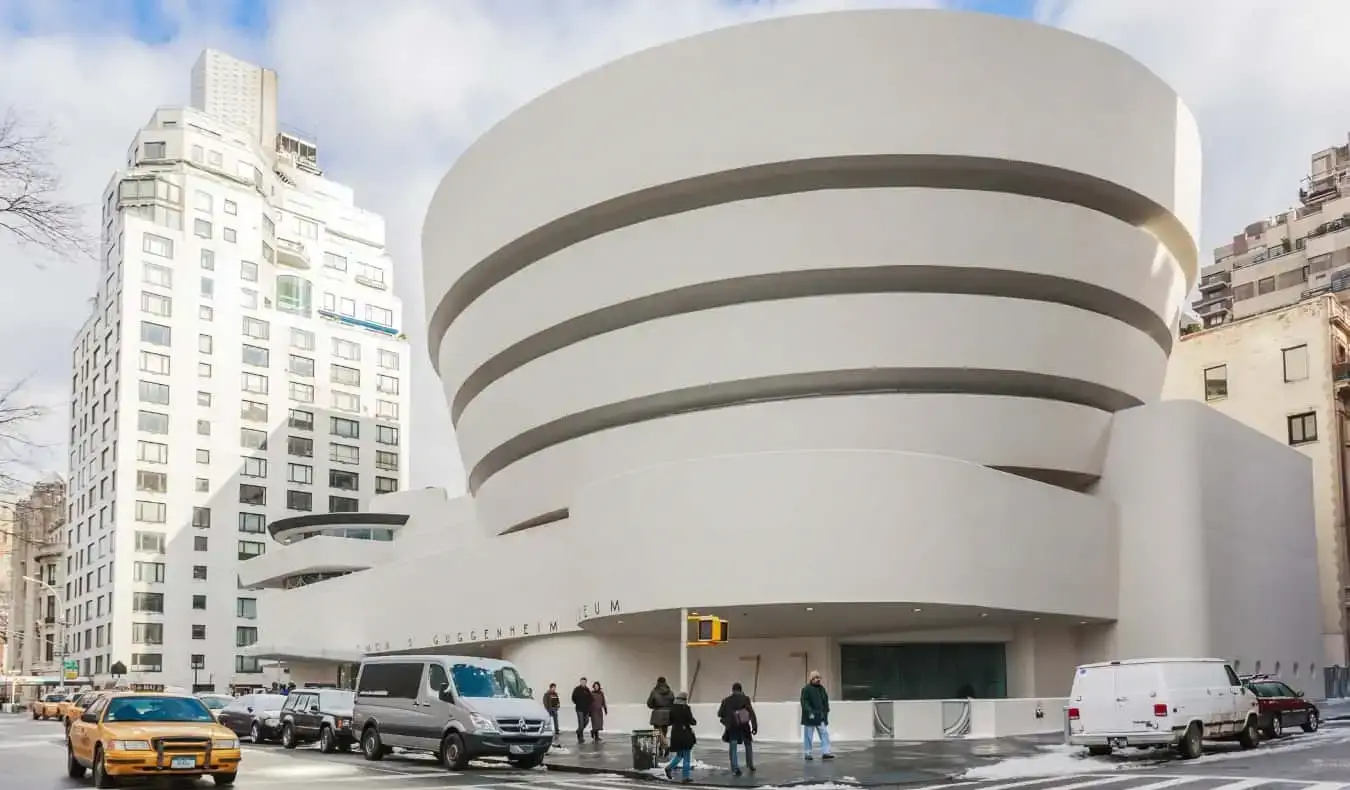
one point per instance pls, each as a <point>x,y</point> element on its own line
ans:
<point>1216,382</point>
<point>1302,428</point>
<point>1295,363</point>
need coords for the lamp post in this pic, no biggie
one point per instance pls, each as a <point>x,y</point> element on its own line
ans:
<point>61,620</point>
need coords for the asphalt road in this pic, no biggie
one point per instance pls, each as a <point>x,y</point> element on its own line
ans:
<point>32,757</point>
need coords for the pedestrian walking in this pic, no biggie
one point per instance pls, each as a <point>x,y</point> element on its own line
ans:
<point>681,723</point>
<point>741,725</point>
<point>816,716</point>
<point>581,700</point>
<point>552,703</point>
<point>598,710</point>
<point>660,701</point>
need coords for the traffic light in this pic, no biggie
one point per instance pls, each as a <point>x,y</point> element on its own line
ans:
<point>709,630</point>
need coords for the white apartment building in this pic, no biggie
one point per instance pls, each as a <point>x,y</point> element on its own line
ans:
<point>244,362</point>
<point>1292,256</point>
<point>1285,373</point>
<point>36,572</point>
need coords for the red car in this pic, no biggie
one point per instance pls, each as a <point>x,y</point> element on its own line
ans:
<point>1281,706</point>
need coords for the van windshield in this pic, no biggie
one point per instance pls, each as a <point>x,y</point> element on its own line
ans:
<point>481,682</point>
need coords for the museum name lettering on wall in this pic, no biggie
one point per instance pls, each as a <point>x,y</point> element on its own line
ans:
<point>489,634</point>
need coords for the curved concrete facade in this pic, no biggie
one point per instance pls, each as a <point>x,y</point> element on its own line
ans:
<point>757,323</point>
<point>699,248</point>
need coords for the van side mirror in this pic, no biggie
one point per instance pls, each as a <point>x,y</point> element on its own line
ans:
<point>89,718</point>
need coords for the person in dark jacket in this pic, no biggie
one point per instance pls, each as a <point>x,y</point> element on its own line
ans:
<point>582,701</point>
<point>598,710</point>
<point>552,703</point>
<point>680,719</point>
<point>737,715</point>
<point>815,716</point>
<point>660,701</point>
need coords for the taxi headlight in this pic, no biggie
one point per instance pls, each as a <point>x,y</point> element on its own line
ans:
<point>225,743</point>
<point>129,746</point>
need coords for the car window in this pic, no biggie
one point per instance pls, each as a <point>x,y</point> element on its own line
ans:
<point>215,703</point>
<point>1286,691</point>
<point>437,678</point>
<point>242,703</point>
<point>335,699</point>
<point>292,702</point>
<point>1232,676</point>
<point>157,709</point>
<point>97,707</point>
<point>1266,690</point>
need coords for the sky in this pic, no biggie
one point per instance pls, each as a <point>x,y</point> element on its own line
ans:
<point>393,91</point>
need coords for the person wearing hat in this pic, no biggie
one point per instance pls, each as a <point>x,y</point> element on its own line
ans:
<point>682,738</point>
<point>815,716</point>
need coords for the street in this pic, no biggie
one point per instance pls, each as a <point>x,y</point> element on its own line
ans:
<point>32,758</point>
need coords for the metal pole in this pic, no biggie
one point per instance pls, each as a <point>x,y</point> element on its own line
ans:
<point>684,652</point>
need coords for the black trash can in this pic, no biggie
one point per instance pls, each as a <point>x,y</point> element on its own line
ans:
<point>646,750</point>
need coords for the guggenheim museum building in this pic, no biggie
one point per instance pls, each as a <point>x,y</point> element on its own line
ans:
<point>848,328</point>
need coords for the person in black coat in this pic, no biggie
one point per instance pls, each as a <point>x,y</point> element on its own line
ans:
<point>659,701</point>
<point>682,738</point>
<point>582,701</point>
<point>737,715</point>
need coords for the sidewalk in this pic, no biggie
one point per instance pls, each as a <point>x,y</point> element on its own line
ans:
<point>861,763</point>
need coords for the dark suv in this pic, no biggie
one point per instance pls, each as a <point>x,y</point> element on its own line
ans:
<point>323,715</point>
<point>1281,706</point>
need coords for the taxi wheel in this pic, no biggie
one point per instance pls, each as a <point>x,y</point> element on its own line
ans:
<point>73,768</point>
<point>224,780</point>
<point>101,777</point>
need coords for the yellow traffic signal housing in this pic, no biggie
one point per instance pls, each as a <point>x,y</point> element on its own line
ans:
<point>709,630</point>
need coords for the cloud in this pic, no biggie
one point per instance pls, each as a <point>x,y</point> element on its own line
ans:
<point>393,91</point>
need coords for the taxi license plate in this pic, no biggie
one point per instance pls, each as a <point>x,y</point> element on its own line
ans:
<point>517,748</point>
<point>183,762</point>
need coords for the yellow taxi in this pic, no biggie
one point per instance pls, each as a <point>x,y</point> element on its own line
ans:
<point>48,706</point>
<point>64,704</point>
<point>76,707</point>
<point>129,734</point>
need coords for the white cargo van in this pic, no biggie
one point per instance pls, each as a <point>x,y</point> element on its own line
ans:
<point>1157,702</point>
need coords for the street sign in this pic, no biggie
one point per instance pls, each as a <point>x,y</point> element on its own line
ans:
<point>72,669</point>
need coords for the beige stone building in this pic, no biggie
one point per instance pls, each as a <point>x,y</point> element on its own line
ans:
<point>1291,256</point>
<point>1284,372</point>
<point>34,610</point>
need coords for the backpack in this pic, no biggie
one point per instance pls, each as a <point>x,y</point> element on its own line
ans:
<point>741,717</point>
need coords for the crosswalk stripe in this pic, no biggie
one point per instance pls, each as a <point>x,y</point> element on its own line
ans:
<point>1168,782</point>
<point>1324,786</point>
<point>1095,781</point>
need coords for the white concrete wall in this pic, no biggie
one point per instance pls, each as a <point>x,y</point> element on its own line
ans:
<point>1217,543</point>
<point>1259,397</point>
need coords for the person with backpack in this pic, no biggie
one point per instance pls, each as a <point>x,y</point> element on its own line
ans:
<point>815,716</point>
<point>680,719</point>
<point>737,715</point>
<point>660,701</point>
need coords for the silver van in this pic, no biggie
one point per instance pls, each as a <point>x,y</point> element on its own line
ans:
<point>457,707</point>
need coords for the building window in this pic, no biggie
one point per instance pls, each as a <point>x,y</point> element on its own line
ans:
<point>208,288</point>
<point>386,460</point>
<point>147,662</point>
<point>250,439</point>
<point>202,228</point>
<point>379,315</point>
<point>201,517</point>
<point>347,429</point>
<point>157,245</point>
<point>300,446</point>
<point>302,339</point>
<point>345,375</point>
<point>256,356</point>
<point>346,401</point>
<point>199,602</point>
<point>256,328</point>
<point>199,572</point>
<point>344,454</point>
<point>158,364</point>
<point>345,349</point>
<point>252,382</point>
<point>331,260</point>
<point>231,207</point>
<point>156,150</point>
<point>294,294</point>
<point>154,392</point>
<point>386,485</point>
<point>199,659</point>
<point>205,313</point>
<point>299,500</point>
<point>386,409</point>
<point>203,456</point>
<point>255,467</point>
<point>149,542</point>
<point>229,235</point>
<point>152,482</point>
<point>253,411</point>
<point>247,665</point>
<point>386,434</point>
<point>1303,428</point>
<point>152,452</point>
<point>301,420</point>
<point>156,334</point>
<point>1216,382</point>
<point>147,633</point>
<point>342,504</point>
<point>154,274</point>
<point>387,384</point>
<point>343,480</point>
<point>154,304</point>
<point>304,393</point>
<point>388,360</point>
<point>149,572</point>
<point>248,298</point>
<point>252,523</point>
<point>201,543</point>
<point>1296,363</point>
<point>204,370</point>
<point>248,271</point>
<point>147,602</point>
<point>202,484</point>
<point>205,344</point>
<point>300,473</point>
<point>246,608</point>
<point>203,427</point>
<point>252,495</point>
<point>151,513</point>
<point>248,549</point>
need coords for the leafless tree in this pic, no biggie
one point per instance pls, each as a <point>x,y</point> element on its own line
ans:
<point>16,421</point>
<point>32,211</point>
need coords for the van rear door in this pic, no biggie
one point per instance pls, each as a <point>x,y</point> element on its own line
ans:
<point>1139,688</point>
<point>1094,695</point>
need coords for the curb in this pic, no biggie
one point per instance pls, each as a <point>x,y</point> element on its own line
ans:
<point>584,770</point>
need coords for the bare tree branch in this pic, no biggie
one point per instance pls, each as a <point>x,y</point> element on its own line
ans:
<point>16,420</point>
<point>32,210</point>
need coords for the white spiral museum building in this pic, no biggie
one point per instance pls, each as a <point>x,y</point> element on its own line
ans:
<point>848,328</point>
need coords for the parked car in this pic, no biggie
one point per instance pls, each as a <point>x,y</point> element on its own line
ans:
<point>1166,702</point>
<point>256,715</point>
<point>78,705</point>
<point>48,706</point>
<point>459,708</point>
<point>323,715</point>
<point>1281,706</point>
<point>215,702</point>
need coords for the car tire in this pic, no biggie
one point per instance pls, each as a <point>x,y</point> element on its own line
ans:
<point>1276,728</point>
<point>255,733</point>
<point>224,780</point>
<point>101,777</point>
<point>1314,721</point>
<point>453,754</point>
<point>1099,751</point>
<point>73,767</point>
<point>372,747</point>
<point>1249,738</point>
<point>1189,745</point>
<point>326,745</point>
<point>287,736</point>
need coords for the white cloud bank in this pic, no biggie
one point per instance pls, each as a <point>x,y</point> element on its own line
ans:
<point>393,91</point>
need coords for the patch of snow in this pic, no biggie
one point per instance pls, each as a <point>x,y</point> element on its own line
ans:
<point>1290,743</point>
<point>1057,760</point>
